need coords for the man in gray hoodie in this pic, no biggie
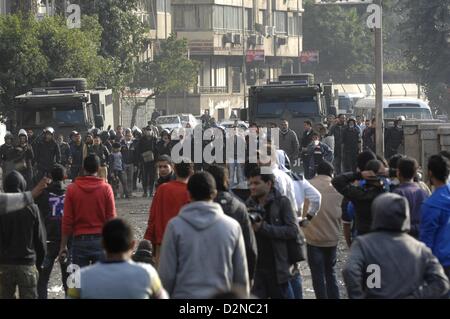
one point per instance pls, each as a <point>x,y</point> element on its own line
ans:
<point>388,263</point>
<point>203,251</point>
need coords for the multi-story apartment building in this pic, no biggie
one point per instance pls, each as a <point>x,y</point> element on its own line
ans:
<point>238,43</point>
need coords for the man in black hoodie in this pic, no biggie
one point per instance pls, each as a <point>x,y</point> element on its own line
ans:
<point>51,206</point>
<point>234,208</point>
<point>22,245</point>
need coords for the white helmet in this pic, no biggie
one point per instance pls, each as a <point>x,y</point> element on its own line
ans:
<point>49,130</point>
<point>136,129</point>
<point>22,132</point>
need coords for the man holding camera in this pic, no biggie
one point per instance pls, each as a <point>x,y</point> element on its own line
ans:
<point>274,223</point>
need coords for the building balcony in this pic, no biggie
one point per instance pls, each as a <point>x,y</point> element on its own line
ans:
<point>212,89</point>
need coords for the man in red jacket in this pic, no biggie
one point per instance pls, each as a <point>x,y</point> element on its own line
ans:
<point>166,204</point>
<point>88,205</point>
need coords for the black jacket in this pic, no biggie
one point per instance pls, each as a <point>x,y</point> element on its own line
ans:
<point>47,154</point>
<point>51,206</point>
<point>65,153</point>
<point>368,138</point>
<point>22,235</point>
<point>76,152</point>
<point>129,152</point>
<point>102,152</point>
<point>146,143</point>
<point>7,153</point>
<point>351,140</point>
<point>234,208</point>
<point>361,197</point>
<point>281,227</point>
<point>338,132</point>
<point>162,149</point>
<point>392,140</point>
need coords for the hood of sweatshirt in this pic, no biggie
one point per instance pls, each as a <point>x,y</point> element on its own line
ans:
<point>201,215</point>
<point>390,212</point>
<point>89,183</point>
<point>14,183</point>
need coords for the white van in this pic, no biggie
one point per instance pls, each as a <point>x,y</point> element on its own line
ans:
<point>410,108</point>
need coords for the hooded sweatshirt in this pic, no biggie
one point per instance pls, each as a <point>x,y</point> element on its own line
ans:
<point>88,205</point>
<point>203,253</point>
<point>22,236</point>
<point>406,267</point>
<point>435,224</point>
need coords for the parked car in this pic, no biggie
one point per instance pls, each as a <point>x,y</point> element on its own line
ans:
<point>229,124</point>
<point>169,122</point>
<point>175,122</point>
<point>188,119</point>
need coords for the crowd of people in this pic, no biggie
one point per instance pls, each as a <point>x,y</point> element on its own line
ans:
<point>207,236</point>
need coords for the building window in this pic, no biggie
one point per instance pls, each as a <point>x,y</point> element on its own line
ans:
<point>295,25</point>
<point>193,17</point>
<point>163,5</point>
<point>236,85</point>
<point>230,18</point>
<point>147,13</point>
<point>281,22</point>
<point>248,19</point>
<point>219,74</point>
<point>218,19</point>
<point>262,17</point>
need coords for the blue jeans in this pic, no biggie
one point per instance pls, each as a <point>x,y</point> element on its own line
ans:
<point>296,287</point>
<point>322,262</point>
<point>87,250</point>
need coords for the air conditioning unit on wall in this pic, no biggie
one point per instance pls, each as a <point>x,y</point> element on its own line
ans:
<point>237,38</point>
<point>228,38</point>
<point>281,41</point>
